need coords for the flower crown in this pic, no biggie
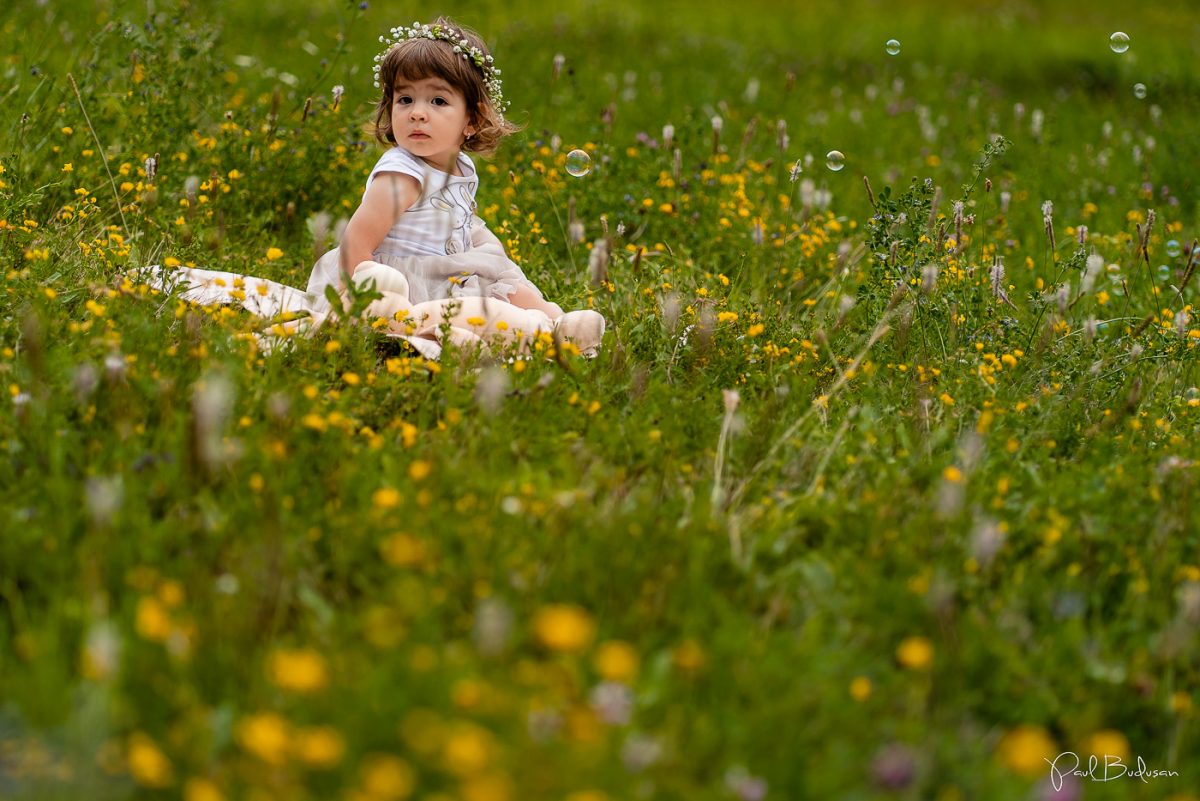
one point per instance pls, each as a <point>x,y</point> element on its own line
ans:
<point>462,46</point>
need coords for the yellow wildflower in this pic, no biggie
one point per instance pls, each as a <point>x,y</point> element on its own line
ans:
<point>564,627</point>
<point>266,736</point>
<point>489,787</point>
<point>198,789</point>
<point>314,421</point>
<point>915,653</point>
<point>860,688</point>
<point>319,746</point>
<point>616,661</point>
<point>299,670</point>
<point>1025,749</point>
<point>148,765</point>
<point>468,749</point>
<point>152,622</point>
<point>1103,743</point>
<point>386,498</point>
<point>402,550</point>
<point>689,656</point>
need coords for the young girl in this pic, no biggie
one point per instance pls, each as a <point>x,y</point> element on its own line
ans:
<point>415,232</point>
<point>415,236</point>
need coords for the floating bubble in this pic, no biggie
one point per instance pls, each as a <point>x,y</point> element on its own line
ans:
<point>1119,42</point>
<point>1164,271</point>
<point>579,163</point>
<point>1174,249</point>
<point>835,160</point>
<point>893,47</point>
<point>1139,91</point>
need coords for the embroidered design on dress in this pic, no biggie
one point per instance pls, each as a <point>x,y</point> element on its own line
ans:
<point>456,200</point>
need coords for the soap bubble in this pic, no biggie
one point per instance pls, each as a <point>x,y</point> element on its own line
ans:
<point>579,163</point>
<point>1139,91</point>
<point>893,47</point>
<point>1164,271</point>
<point>1119,42</point>
<point>835,160</point>
<point>1174,248</point>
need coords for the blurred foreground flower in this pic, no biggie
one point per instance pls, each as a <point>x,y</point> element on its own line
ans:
<point>387,778</point>
<point>612,702</point>
<point>266,736</point>
<point>564,627</point>
<point>198,789</point>
<point>915,653</point>
<point>493,626</point>
<point>148,765</point>
<point>298,670</point>
<point>101,651</point>
<point>1025,749</point>
<point>689,656</point>
<point>1105,743</point>
<point>616,661</point>
<point>319,746</point>
<point>894,767</point>
<point>745,786</point>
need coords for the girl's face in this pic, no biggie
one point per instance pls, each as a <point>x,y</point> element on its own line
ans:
<point>430,120</point>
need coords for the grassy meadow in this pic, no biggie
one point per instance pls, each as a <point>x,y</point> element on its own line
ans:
<point>883,485</point>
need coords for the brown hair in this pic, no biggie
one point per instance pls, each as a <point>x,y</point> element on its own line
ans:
<point>417,59</point>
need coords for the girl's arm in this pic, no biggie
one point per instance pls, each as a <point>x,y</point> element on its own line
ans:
<point>388,196</point>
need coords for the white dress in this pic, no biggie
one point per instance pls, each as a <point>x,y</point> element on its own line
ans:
<point>438,223</point>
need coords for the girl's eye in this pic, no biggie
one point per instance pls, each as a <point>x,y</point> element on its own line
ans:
<point>404,100</point>
<point>441,101</point>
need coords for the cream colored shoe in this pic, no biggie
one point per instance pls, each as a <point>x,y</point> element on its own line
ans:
<point>583,328</point>
<point>387,279</point>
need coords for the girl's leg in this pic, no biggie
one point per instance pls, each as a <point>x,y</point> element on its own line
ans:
<point>485,318</point>
<point>463,339</point>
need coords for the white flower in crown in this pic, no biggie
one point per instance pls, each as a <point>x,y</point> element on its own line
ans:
<point>462,46</point>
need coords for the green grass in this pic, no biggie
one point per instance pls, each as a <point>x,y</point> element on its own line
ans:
<point>935,537</point>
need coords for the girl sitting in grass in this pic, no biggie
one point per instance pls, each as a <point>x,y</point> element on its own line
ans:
<point>415,236</point>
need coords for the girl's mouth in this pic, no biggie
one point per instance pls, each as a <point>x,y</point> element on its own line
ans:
<point>418,135</point>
